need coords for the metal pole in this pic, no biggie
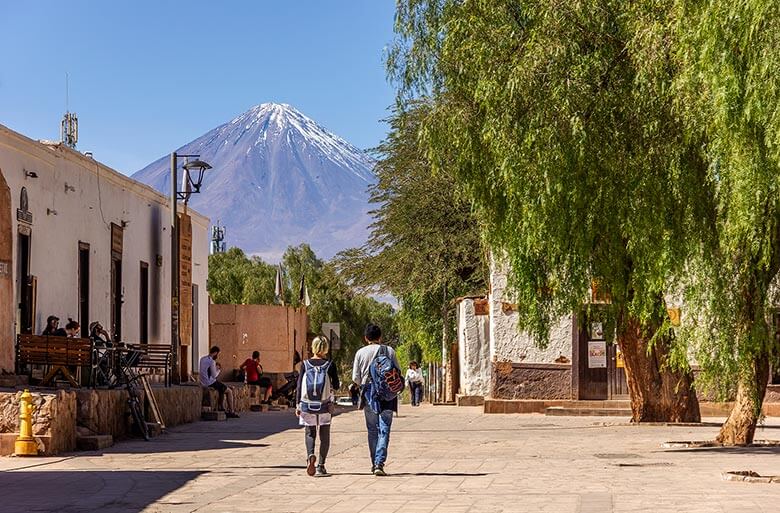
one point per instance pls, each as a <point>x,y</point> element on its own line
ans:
<point>175,341</point>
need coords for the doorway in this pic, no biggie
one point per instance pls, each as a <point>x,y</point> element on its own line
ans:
<point>194,343</point>
<point>143,317</point>
<point>26,300</point>
<point>84,288</point>
<point>116,299</point>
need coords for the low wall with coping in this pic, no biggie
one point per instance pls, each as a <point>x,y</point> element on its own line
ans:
<point>54,420</point>
<point>531,381</point>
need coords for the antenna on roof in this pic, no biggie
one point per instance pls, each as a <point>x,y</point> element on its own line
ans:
<point>217,239</point>
<point>69,127</point>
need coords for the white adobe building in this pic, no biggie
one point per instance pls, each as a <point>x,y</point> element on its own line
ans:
<point>499,361</point>
<point>80,240</point>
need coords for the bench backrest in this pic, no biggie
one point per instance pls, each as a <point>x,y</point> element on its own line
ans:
<point>46,350</point>
<point>152,355</point>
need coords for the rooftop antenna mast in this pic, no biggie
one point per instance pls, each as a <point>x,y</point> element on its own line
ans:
<point>69,127</point>
<point>217,239</point>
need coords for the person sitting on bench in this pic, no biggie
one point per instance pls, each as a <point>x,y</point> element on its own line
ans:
<point>254,375</point>
<point>209,371</point>
<point>53,327</point>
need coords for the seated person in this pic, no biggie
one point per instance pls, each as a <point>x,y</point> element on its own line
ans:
<point>254,375</point>
<point>73,329</point>
<point>52,327</point>
<point>98,335</point>
<point>208,378</point>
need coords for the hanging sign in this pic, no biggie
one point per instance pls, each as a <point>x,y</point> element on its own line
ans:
<point>597,354</point>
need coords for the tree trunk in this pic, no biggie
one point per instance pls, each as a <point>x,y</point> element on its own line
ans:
<point>740,426</point>
<point>658,393</point>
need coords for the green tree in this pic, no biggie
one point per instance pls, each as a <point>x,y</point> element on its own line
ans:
<point>236,279</point>
<point>557,119</point>
<point>729,90</point>
<point>424,246</point>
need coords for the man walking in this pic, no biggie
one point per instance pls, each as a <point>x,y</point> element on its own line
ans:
<point>378,411</point>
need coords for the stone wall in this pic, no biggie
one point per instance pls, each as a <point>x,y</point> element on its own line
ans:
<point>473,350</point>
<point>54,419</point>
<point>178,405</point>
<point>530,381</point>
<point>105,412</point>
<point>241,396</point>
<point>507,342</point>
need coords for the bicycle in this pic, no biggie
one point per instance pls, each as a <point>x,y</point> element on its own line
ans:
<point>128,376</point>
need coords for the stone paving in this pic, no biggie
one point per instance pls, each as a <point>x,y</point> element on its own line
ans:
<point>442,459</point>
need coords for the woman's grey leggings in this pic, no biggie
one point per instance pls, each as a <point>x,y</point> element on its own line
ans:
<point>311,435</point>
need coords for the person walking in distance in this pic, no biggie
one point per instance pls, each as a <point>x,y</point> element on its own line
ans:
<point>315,401</point>
<point>414,379</point>
<point>378,373</point>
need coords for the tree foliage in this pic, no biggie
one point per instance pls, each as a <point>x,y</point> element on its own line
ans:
<point>557,117</point>
<point>424,247</point>
<point>238,279</point>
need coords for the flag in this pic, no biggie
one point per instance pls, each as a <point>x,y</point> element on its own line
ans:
<point>278,289</point>
<point>303,292</point>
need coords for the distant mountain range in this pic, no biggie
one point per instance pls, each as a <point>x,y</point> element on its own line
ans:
<point>278,179</point>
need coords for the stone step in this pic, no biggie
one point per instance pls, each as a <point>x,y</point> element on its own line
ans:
<point>560,411</point>
<point>154,429</point>
<point>279,407</point>
<point>259,407</point>
<point>94,442</point>
<point>213,415</point>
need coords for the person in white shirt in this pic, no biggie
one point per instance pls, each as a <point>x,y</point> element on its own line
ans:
<point>414,380</point>
<point>208,372</point>
<point>378,413</point>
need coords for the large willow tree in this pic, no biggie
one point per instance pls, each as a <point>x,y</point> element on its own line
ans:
<point>729,91</point>
<point>557,116</point>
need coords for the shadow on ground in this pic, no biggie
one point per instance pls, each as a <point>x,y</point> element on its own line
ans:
<point>106,491</point>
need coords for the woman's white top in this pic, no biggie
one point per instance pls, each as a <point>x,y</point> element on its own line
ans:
<point>414,376</point>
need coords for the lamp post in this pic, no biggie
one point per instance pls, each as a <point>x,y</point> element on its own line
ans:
<point>191,186</point>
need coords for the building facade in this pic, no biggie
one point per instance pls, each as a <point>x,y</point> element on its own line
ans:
<point>80,240</point>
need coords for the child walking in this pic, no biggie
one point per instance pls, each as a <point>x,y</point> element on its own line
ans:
<point>317,380</point>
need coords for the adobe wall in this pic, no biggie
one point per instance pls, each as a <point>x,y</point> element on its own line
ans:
<point>6,279</point>
<point>276,331</point>
<point>473,350</point>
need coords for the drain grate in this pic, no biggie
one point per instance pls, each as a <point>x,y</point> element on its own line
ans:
<point>616,456</point>
<point>648,464</point>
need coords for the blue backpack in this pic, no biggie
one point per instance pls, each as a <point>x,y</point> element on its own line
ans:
<point>386,378</point>
<point>315,388</point>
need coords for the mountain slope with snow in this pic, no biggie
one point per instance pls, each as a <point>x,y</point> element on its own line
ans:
<point>278,179</point>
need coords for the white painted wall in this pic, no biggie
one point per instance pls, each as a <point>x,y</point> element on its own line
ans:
<point>102,196</point>
<point>473,350</point>
<point>507,342</point>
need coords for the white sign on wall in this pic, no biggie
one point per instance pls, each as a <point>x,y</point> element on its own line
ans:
<point>597,354</point>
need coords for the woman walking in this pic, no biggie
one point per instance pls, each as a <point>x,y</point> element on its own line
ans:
<point>317,381</point>
<point>414,379</point>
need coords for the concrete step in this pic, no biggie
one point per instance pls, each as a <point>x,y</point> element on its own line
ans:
<point>258,407</point>
<point>154,429</point>
<point>279,407</point>
<point>94,442</point>
<point>560,411</point>
<point>213,415</point>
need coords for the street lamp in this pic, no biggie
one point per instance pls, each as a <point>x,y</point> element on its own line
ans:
<point>191,186</point>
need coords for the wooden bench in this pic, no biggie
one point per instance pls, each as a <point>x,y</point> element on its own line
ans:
<point>152,356</point>
<point>57,354</point>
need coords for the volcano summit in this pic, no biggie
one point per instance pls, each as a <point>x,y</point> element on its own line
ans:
<point>278,179</point>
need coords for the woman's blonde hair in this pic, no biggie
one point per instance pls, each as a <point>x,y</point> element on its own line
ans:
<point>320,345</point>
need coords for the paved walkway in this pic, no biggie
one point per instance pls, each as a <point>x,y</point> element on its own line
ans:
<point>442,459</point>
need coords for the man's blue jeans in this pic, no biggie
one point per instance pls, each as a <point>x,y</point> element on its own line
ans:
<point>378,426</point>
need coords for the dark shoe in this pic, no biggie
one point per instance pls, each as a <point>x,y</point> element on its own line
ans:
<point>232,415</point>
<point>321,472</point>
<point>373,468</point>
<point>379,470</point>
<point>310,467</point>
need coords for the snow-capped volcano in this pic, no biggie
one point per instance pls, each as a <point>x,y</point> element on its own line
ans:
<point>278,179</point>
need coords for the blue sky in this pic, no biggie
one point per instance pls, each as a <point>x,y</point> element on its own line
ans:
<point>149,76</point>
